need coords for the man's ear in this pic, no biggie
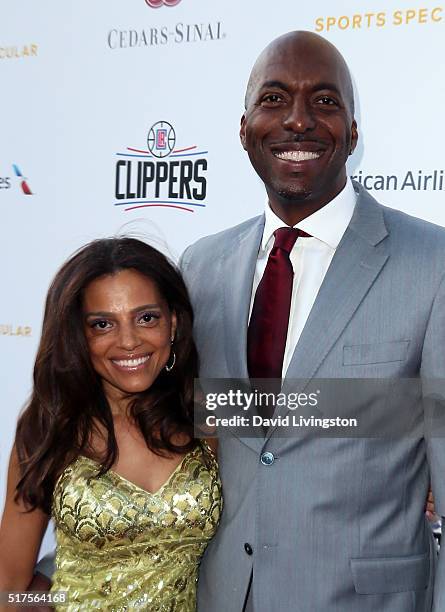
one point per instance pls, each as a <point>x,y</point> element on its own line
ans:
<point>354,137</point>
<point>242,132</point>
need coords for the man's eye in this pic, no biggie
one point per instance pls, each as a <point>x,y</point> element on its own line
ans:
<point>271,99</point>
<point>327,100</point>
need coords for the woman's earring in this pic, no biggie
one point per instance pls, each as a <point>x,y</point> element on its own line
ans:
<point>169,368</point>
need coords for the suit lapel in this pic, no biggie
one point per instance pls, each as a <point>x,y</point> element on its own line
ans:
<point>358,260</point>
<point>238,274</point>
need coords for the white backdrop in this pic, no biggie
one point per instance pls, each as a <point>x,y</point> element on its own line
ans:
<point>83,83</point>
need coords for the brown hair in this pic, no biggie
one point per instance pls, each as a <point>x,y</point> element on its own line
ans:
<point>68,398</point>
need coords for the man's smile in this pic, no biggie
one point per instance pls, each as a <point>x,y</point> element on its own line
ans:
<point>297,156</point>
<point>298,151</point>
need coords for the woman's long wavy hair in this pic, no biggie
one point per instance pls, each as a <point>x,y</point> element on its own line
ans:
<point>68,402</point>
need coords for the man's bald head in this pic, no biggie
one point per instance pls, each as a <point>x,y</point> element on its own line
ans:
<point>298,127</point>
<point>302,45</point>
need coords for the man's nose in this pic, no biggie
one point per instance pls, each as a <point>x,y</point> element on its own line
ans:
<point>299,116</point>
<point>129,338</point>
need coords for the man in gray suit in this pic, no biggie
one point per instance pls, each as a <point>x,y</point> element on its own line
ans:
<point>314,524</point>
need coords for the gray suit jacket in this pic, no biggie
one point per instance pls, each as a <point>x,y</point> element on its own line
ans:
<point>336,525</point>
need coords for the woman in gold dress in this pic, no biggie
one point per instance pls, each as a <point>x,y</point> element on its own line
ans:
<point>105,445</point>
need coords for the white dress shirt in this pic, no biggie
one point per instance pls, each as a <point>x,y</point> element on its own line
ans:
<point>310,258</point>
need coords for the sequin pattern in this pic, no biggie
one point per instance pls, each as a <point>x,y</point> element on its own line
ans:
<point>120,548</point>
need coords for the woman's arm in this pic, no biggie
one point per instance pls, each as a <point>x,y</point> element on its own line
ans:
<point>21,534</point>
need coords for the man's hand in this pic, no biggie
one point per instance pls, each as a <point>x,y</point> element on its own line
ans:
<point>429,508</point>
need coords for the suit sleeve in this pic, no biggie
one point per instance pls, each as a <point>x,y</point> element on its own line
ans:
<point>182,263</point>
<point>433,380</point>
<point>46,566</point>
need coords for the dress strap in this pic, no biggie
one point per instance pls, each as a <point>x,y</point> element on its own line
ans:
<point>205,445</point>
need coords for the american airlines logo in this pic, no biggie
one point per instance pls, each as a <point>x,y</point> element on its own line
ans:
<point>159,3</point>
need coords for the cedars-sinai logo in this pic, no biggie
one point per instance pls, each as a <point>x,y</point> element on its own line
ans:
<point>159,3</point>
<point>161,174</point>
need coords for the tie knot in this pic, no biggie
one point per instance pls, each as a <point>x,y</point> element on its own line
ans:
<point>285,237</point>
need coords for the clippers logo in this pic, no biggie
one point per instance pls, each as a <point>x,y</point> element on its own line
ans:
<point>23,184</point>
<point>163,175</point>
<point>159,3</point>
<point>161,139</point>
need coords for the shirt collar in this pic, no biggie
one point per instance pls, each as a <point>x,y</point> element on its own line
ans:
<point>328,224</point>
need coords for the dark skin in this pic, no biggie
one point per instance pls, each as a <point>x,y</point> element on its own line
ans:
<point>299,101</point>
<point>299,127</point>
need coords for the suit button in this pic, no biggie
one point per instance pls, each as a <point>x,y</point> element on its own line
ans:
<point>267,458</point>
<point>248,548</point>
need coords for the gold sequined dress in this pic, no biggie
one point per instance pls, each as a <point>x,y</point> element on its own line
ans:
<point>121,548</point>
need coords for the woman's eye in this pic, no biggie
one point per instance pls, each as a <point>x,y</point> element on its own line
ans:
<point>100,324</point>
<point>148,317</point>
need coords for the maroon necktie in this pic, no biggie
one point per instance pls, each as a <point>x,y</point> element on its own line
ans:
<point>267,333</point>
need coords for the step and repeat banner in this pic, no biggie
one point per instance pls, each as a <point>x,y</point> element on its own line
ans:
<point>123,118</point>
